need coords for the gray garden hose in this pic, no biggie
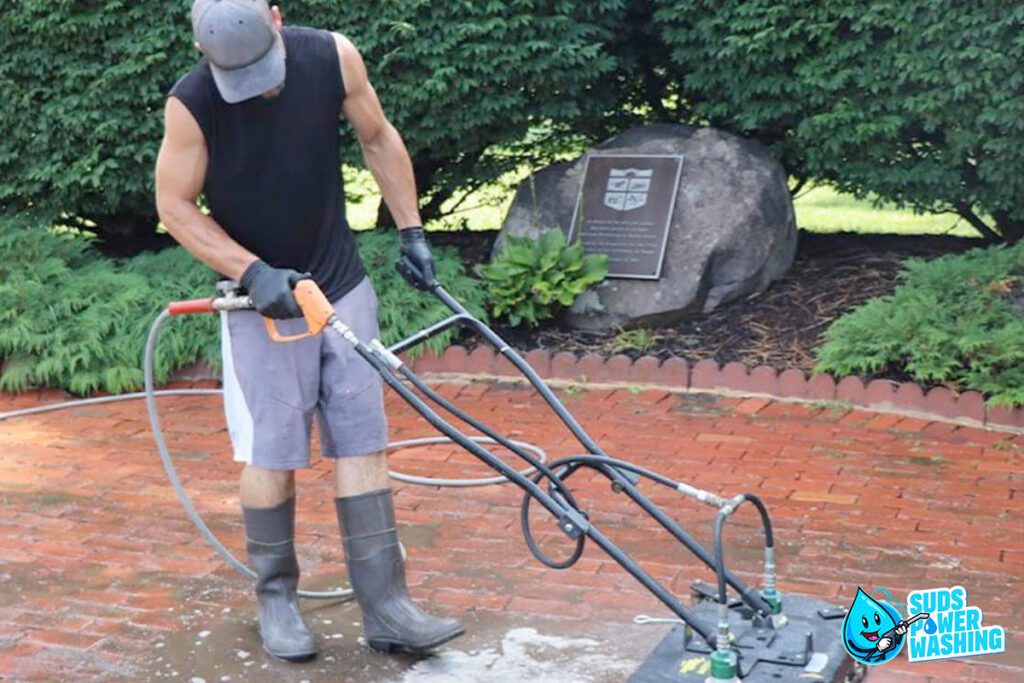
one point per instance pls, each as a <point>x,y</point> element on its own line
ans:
<point>150,395</point>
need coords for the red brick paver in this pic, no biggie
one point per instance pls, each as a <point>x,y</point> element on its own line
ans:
<point>98,561</point>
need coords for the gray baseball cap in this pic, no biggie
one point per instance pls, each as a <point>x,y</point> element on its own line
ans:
<point>244,47</point>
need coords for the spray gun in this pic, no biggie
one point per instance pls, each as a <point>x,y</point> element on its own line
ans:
<point>227,299</point>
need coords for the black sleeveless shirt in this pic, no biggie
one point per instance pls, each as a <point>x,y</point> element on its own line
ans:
<point>274,176</point>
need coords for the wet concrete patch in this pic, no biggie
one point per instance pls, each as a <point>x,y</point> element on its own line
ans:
<point>497,648</point>
<point>526,654</point>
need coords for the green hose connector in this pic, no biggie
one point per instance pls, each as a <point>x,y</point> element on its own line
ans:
<point>774,598</point>
<point>724,666</point>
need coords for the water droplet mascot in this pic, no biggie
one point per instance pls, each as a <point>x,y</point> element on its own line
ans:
<point>873,631</point>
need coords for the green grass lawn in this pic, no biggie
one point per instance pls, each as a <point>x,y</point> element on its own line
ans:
<point>819,209</point>
<point>484,209</point>
<point>823,209</point>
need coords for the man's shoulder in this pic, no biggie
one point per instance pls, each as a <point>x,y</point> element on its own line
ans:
<point>312,48</point>
<point>308,34</point>
<point>197,79</point>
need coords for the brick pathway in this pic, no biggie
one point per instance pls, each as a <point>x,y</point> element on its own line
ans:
<point>99,565</point>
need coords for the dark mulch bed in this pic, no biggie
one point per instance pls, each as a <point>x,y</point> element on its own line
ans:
<point>780,327</point>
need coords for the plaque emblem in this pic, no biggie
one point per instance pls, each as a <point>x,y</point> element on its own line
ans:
<point>625,208</point>
<point>627,188</point>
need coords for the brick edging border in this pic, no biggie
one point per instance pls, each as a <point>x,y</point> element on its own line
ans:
<point>938,403</point>
<point>676,373</point>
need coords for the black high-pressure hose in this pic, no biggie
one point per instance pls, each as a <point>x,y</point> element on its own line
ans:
<point>557,483</point>
<point>769,538</point>
<point>570,519</point>
<point>543,470</point>
<point>616,470</point>
<point>557,500</point>
<point>766,521</point>
<point>559,490</point>
<point>571,464</point>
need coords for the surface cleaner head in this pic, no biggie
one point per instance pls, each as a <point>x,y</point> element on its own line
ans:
<point>809,648</point>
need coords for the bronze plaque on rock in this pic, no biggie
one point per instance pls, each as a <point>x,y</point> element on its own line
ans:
<point>625,210</point>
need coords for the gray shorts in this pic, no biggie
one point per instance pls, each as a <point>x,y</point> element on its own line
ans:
<point>273,390</point>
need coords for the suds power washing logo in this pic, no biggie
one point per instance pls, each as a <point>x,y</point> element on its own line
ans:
<point>933,624</point>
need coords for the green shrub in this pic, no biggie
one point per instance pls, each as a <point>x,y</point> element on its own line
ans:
<point>531,280</point>
<point>72,319</point>
<point>957,319</point>
<point>82,87</point>
<point>916,101</point>
<point>405,310</point>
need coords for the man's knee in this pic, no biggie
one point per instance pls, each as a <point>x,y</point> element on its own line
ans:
<point>361,473</point>
<point>265,488</point>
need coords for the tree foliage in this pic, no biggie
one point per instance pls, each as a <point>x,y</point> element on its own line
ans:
<point>465,80</point>
<point>81,101</point>
<point>917,101</point>
<point>82,88</point>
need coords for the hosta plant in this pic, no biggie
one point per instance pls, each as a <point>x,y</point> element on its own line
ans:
<point>531,280</point>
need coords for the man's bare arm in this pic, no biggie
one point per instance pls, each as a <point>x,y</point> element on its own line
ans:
<point>180,173</point>
<point>383,149</point>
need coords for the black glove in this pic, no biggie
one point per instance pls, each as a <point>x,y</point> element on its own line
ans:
<point>416,264</point>
<point>271,289</point>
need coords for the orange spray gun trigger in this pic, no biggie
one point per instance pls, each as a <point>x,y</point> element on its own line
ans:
<point>316,309</point>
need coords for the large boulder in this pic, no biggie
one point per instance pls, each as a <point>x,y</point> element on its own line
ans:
<point>733,229</point>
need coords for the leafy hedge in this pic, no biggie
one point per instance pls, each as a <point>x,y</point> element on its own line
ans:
<point>467,81</point>
<point>82,88</point>
<point>917,101</point>
<point>74,320</point>
<point>957,319</point>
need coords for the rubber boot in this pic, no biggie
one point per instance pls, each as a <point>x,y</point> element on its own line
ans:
<point>391,621</point>
<point>270,541</point>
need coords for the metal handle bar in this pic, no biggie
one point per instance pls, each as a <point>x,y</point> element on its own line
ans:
<point>319,314</point>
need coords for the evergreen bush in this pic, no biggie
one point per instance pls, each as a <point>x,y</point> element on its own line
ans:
<point>74,320</point>
<point>916,102</point>
<point>957,320</point>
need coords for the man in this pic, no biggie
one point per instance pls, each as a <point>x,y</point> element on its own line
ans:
<point>255,128</point>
